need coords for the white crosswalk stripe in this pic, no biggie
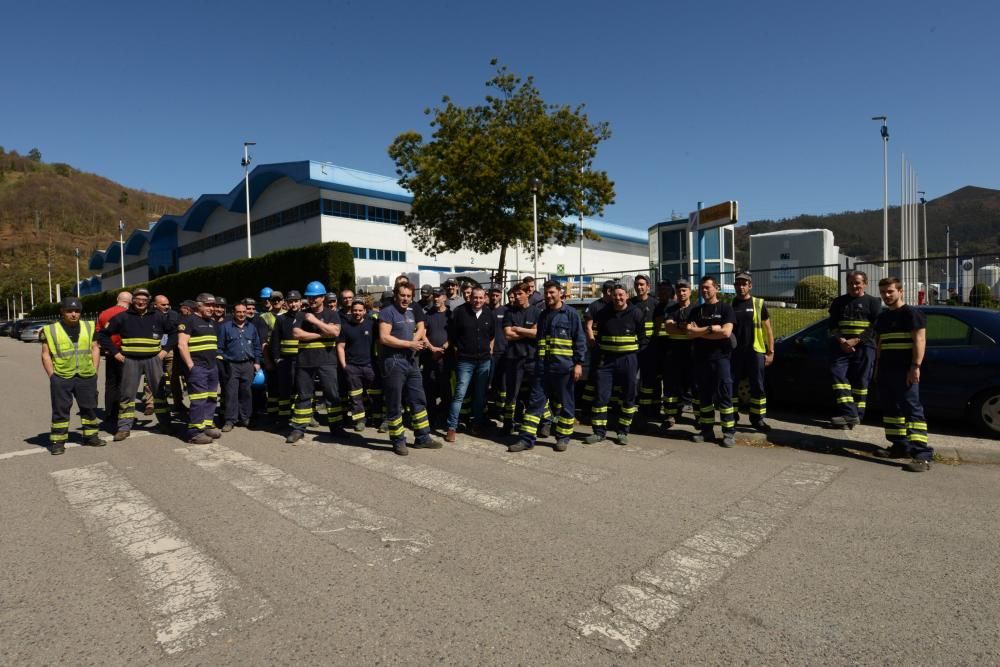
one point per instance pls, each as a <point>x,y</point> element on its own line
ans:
<point>347,525</point>
<point>671,583</point>
<point>189,596</point>
<point>506,502</point>
<point>557,465</point>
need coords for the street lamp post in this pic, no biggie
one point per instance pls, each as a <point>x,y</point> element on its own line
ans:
<point>77,252</point>
<point>947,264</point>
<point>535,183</point>
<point>48,266</point>
<point>885,188</point>
<point>927,275</point>
<point>246,187</point>
<point>31,286</point>
<point>121,249</point>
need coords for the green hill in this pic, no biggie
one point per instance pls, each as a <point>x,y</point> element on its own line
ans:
<point>973,214</point>
<point>47,210</point>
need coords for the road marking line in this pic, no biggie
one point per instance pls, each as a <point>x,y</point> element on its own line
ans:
<point>189,596</point>
<point>69,445</point>
<point>661,591</point>
<point>345,524</point>
<point>505,502</point>
<point>537,462</point>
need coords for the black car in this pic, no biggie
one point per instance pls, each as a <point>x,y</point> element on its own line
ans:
<point>959,379</point>
<point>5,328</point>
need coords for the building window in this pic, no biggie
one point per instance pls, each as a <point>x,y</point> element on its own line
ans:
<point>379,214</point>
<point>344,209</point>
<point>728,250</point>
<point>712,243</point>
<point>380,254</point>
<point>673,245</point>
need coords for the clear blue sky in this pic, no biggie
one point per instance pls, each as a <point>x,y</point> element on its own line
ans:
<point>765,102</point>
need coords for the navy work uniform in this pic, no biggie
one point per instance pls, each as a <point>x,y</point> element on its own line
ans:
<point>621,333</point>
<point>401,378</point>
<point>358,341</point>
<point>713,374</point>
<point>284,350</point>
<point>678,367</point>
<point>851,319</point>
<point>498,392</point>
<point>142,337</point>
<point>649,368</point>
<point>562,344</point>
<point>436,369</point>
<point>74,375</point>
<point>902,412</point>
<point>316,370</point>
<point>203,378</point>
<point>748,360</point>
<point>587,399</point>
<point>519,363</point>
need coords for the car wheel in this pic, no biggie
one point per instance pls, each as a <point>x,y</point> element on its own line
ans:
<point>986,412</point>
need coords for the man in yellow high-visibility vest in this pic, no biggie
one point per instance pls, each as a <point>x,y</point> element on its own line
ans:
<point>71,357</point>
<point>754,349</point>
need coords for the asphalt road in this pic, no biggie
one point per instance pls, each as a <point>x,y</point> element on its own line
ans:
<point>251,551</point>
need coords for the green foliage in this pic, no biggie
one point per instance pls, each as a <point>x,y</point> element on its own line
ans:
<point>471,182</point>
<point>816,291</point>
<point>35,155</point>
<point>330,263</point>
<point>981,296</point>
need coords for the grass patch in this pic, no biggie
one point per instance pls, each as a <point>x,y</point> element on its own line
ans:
<point>787,321</point>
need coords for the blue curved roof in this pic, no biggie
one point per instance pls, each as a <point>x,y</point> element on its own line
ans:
<point>113,253</point>
<point>138,237</point>
<point>610,230</point>
<point>96,261</point>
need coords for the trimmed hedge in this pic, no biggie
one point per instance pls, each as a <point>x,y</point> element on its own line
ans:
<point>816,291</point>
<point>330,263</point>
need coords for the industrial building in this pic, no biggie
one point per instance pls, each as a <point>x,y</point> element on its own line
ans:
<point>299,203</point>
<point>779,260</point>
<point>670,249</point>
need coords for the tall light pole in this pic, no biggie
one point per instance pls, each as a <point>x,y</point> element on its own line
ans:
<point>77,252</point>
<point>246,186</point>
<point>947,264</point>
<point>48,267</point>
<point>31,286</point>
<point>927,275</point>
<point>885,189</point>
<point>535,184</point>
<point>121,249</point>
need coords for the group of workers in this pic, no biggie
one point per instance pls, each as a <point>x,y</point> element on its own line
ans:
<point>459,357</point>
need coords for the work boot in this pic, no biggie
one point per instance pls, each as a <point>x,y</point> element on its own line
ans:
<point>917,465</point>
<point>897,451</point>
<point>450,435</point>
<point>93,441</point>
<point>121,435</point>
<point>429,443</point>
<point>763,426</point>
<point>728,440</point>
<point>622,439</point>
<point>545,430</point>
<point>594,438</point>
<point>507,428</point>
<point>313,423</point>
<point>56,450</point>
<point>844,422</point>
<point>562,444</point>
<point>294,437</point>
<point>668,423</point>
<point>201,439</point>
<point>400,449</point>
<point>698,437</point>
<point>384,427</point>
<point>213,433</point>
<point>227,427</point>
<point>359,426</point>
<point>518,446</point>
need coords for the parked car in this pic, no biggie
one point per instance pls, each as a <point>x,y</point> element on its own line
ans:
<point>960,376</point>
<point>32,332</point>
<point>5,328</point>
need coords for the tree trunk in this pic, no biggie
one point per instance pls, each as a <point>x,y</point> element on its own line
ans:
<point>500,274</point>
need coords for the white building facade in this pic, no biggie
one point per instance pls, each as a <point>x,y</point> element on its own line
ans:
<point>300,203</point>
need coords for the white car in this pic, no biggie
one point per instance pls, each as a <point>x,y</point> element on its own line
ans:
<point>32,332</point>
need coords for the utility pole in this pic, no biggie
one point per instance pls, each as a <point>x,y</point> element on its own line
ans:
<point>885,190</point>
<point>121,249</point>
<point>947,264</point>
<point>246,186</point>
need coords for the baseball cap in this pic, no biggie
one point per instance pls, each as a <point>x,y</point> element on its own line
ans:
<point>220,301</point>
<point>190,304</point>
<point>205,297</point>
<point>276,296</point>
<point>142,291</point>
<point>71,303</point>
<point>437,291</point>
<point>744,275</point>
<point>294,295</point>
<point>249,302</point>
<point>450,281</point>
<point>331,296</point>
<point>426,289</point>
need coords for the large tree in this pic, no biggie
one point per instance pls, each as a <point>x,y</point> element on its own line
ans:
<point>472,182</point>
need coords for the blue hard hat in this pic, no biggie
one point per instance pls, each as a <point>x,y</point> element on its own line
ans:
<point>258,379</point>
<point>315,288</point>
<point>265,293</point>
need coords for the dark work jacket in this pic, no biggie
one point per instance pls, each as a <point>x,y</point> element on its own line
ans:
<point>470,336</point>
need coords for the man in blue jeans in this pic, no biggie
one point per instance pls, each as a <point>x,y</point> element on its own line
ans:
<point>471,337</point>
